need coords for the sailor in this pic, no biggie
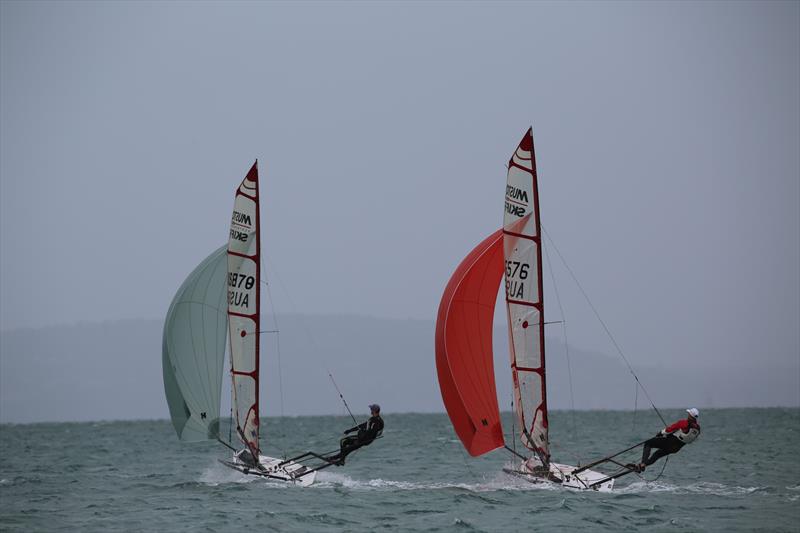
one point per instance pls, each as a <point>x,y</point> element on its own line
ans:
<point>671,439</point>
<point>367,432</point>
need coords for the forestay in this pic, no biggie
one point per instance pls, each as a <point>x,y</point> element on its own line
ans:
<point>193,350</point>
<point>243,308</point>
<point>523,267</point>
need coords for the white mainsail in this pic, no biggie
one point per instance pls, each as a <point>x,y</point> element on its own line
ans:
<point>523,268</point>
<point>244,260</point>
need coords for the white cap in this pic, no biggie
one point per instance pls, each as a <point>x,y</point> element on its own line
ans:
<point>693,412</point>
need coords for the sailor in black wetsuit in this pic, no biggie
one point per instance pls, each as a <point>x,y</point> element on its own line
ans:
<point>367,432</point>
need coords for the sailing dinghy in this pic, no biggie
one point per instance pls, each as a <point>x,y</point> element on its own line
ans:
<point>464,359</point>
<point>222,298</point>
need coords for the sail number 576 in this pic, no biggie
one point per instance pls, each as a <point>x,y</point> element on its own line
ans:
<point>515,267</point>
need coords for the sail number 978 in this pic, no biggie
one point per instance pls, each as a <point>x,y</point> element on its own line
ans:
<point>516,269</point>
<point>239,280</point>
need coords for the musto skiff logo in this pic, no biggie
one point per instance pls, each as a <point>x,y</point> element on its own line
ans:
<point>516,201</point>
<point>241,224</point>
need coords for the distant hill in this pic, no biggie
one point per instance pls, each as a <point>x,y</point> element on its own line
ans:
<point>112,370</point>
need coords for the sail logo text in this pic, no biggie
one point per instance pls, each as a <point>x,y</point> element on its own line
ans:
<point>516,210</point>
<point>238,235</point>
<point>515,196</point>
<point>516,193</point>
<point>241,218</point>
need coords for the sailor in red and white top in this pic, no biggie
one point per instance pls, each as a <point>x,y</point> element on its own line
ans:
<point>671,439</point>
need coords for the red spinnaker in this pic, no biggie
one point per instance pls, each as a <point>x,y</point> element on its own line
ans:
<point>464,358</point>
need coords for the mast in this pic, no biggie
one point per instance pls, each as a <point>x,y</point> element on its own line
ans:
<point>524,297</point>
<point>244,294</point>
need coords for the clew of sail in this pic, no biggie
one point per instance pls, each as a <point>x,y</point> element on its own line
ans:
<point>193,350</point>
<point>243,308</point>
<point>523,277</point>
<point>464,347</point>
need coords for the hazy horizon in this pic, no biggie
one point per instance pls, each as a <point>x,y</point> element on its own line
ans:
<point>43,373</point>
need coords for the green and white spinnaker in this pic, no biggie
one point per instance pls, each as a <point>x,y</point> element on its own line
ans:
<point>193,349</point>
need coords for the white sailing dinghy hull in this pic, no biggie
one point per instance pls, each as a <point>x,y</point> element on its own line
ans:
<point>531,470</point>
<point>274,468</point>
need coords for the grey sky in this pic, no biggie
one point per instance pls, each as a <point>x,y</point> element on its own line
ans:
<point>666,134</point>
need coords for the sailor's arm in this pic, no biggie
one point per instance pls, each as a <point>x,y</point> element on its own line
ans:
<point>682,425</point>
<point>361,426</point>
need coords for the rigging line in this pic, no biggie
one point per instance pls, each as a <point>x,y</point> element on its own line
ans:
<point>566,344</point>
<point>342,397</point>
<point>663,467</point>
<point>307,332</point>
<point>608,332</point>
<point>277,342</point>
<point>635,405</point>
<point>513,426</point>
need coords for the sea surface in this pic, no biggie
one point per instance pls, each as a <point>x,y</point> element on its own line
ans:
<point>742,474</point>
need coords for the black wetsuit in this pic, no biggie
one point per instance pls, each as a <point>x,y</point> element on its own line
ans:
<point>367,432</point>
<point>665,444</point>
<point>669,443</point>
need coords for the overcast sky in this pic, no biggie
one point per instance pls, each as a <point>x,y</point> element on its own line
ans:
<point>666,135</point>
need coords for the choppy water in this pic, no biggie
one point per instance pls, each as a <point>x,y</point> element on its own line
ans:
<point>743,474</point>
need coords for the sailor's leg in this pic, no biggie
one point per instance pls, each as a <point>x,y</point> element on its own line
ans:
<point>346,445</point>
<point>656,456</point>
<point>648,445</point>
<point>670,445</point>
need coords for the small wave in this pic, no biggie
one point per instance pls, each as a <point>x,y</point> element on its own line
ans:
<point>218,474</point>
<point>703,487</point>
<point>501,482</point>
<point>463,525</point>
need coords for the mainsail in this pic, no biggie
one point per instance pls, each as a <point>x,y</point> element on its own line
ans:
<point>244,260</point>
<point>464,347</point>
<point>193,350</point>
<point>523,273</point>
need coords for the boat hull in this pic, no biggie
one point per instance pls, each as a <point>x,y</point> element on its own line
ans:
<point>532,471</point>
<point>274,468</point>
